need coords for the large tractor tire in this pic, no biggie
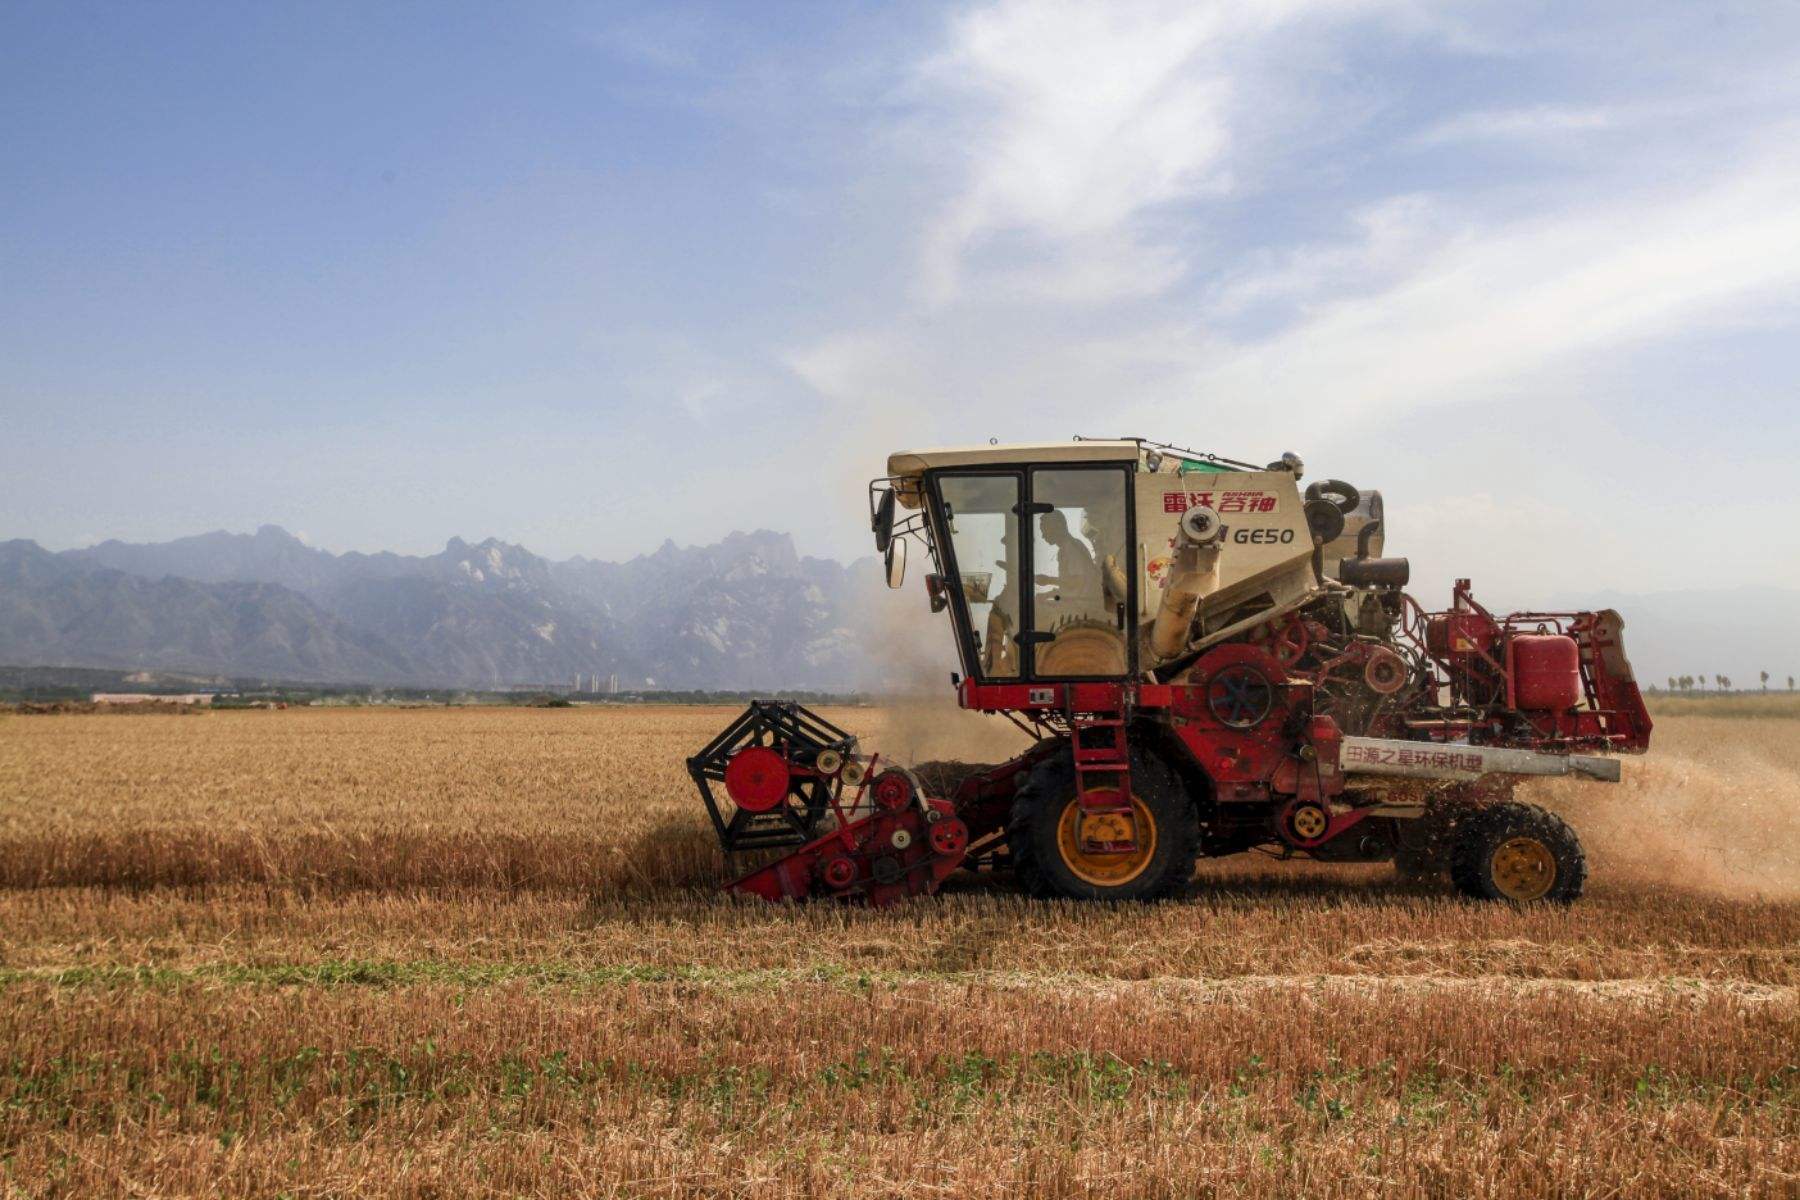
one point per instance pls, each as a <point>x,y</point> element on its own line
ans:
<point>1518,853</point>
<point>1045,835</point>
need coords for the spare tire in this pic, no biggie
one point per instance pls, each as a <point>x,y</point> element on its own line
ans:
<point>1324,520</point>
<point>1339,493</point>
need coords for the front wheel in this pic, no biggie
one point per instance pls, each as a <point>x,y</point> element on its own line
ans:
<point>1054,841</point>
<point>1519,853</point>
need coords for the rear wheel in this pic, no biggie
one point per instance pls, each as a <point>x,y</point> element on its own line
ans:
<point>1053,840</point>
<point>1519,853</point>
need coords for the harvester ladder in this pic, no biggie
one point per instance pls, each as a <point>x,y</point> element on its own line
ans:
<point>1102,753</point>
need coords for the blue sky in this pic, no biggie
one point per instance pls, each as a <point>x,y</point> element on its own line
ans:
<point>585,276</point>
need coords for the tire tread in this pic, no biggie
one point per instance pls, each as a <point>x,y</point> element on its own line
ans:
<point>1052,781</point>
<point>1481,834</point>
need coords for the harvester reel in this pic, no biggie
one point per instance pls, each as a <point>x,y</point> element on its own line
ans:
<point>770,766</point>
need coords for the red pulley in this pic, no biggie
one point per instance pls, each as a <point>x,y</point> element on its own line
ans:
<point>1287,641</point>
<point>1385,672</point>
<point>949,836</point>
<point>756,779</point>
<point>838,872</point>
<point>892,790</point>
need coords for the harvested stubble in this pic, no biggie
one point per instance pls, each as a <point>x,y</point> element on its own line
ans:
<point>437,953</point>
<point>843,1089</point>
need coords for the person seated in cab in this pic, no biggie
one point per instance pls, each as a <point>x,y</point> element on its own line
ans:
<point>1076,583</point>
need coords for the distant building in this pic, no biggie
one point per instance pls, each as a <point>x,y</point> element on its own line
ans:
<point>151,698</point>
<point>612,685</point>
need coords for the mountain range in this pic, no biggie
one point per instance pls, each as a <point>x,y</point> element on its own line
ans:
<point>747,612</point>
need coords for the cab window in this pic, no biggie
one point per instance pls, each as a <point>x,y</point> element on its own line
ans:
<point>981,513</point>
<point>1080,572</point>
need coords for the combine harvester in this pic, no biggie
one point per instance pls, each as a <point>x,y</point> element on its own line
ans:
<point>1211,661</point>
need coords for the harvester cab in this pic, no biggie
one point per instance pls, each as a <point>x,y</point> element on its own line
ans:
<point>1065,562</point>
<point>1211,660</point>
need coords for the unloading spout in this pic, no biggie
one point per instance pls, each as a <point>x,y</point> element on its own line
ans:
<point>1193,575</point>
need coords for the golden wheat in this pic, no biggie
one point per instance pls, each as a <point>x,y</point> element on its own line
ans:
<point>446,952</point>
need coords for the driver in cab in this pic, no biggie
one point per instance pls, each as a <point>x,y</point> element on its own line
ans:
<point>1077,578</point>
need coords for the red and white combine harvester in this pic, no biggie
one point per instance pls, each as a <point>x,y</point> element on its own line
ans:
<point>1211,661</point>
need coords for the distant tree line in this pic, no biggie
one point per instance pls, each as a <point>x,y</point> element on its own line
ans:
<point>1721,683</point>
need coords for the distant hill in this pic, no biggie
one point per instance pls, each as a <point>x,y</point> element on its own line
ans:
<point>55,611</point>
<point>747,612</point>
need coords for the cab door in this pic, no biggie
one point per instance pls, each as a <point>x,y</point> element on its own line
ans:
<point>978,514</point>
<point>1080,621</point>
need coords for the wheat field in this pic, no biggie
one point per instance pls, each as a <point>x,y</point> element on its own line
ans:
<point>447,952</point>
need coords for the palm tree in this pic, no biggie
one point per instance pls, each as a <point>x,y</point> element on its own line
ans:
<point>1765,681</point>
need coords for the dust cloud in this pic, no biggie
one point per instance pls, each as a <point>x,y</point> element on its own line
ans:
<point>1714,807</point>
<point>920,720</point>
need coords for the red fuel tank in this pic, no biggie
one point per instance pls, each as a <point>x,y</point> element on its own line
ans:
<point>1546,672</point>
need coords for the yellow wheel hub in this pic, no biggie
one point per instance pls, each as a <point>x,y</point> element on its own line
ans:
<point>1080,836</point>
<point>1310,821</point>
<point>1524,869</point>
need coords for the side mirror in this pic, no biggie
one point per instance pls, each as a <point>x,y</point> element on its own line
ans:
<point>896,563</point>
<point>882,521</point>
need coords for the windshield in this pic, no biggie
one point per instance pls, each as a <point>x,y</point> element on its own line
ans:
<point>981,514</point>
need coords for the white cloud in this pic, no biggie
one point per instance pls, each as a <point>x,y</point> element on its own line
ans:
<point>1388,297</point>
<point>1531,124</point>
<point>1386,242</point>
<point>1077,121</point>
<point>1492,304</point>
